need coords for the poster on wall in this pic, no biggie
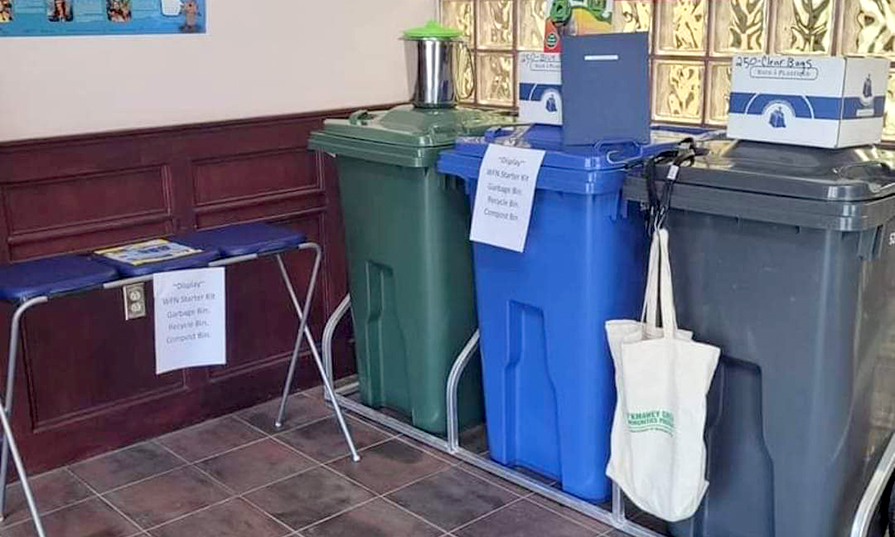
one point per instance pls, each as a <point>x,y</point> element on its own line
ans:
<point>35,18</point>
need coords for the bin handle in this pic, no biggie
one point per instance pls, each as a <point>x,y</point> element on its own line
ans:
<point>620,141</point>
<point>494,132</point>
<point>359,116</point>
<point>438,128</point>
<point>887,169</point>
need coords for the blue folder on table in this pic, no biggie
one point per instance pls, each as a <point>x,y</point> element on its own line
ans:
<point>605,88</point>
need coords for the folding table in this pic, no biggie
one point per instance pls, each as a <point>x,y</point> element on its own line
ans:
<point>31,283</point>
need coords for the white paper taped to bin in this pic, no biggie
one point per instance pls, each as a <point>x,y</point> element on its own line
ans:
<point>190,319</point>
<point>504,196</point>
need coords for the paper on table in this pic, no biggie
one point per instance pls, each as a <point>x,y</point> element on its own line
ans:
<point>190,319</point>
<point>504,196</point>
<point>152,251</point>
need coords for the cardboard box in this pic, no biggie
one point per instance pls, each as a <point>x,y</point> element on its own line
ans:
<point>540,88</point>
<point>812,101</point>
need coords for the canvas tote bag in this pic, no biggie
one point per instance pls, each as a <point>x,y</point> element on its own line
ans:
<point>662,378</point>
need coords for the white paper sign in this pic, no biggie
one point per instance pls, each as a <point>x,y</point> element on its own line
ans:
<point>504,196</point>
<point>190,322</point>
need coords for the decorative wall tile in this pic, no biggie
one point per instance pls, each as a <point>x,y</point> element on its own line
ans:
<point>804,26</point>
<point>869,27</point>
<point>496,80</point>
<point>632,16</point>
<point>739,26</point>
<point>678,91</point>
<point>718,93</point>
<point>682,26</point>
<point>692,46</point>
<point>889,122</point>
<point>532,17</point>
<point>460,14</point>
<point>495,24</point>
<point>466,76</point>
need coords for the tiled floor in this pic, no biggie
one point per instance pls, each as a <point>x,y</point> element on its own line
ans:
<point>237,476</point>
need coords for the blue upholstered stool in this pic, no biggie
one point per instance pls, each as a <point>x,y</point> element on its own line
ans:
<point>35,282</point>
<point>244,239</point>
<point>53,276</point>
<point>242,242</point>
<point>28,284</point>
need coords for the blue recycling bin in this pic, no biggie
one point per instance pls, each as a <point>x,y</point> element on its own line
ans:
<point>548,375</point>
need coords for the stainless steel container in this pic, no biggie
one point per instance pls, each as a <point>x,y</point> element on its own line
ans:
<point>433,55</point>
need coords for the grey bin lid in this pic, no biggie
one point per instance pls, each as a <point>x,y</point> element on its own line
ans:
<point>848,189</point>
<point>855,173</point>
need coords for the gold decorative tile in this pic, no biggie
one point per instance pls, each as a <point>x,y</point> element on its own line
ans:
<point>532,18</point>
<point>495,73</point>
<point>718,93</point>
<point>803,26</point>
<point>869,27</point>
<point>682,26</point>
<point>889,122</point>
<point>740,26</point>
<point>466,76</point>
<point>677,91</point>
<point>495,24</point>
<point>632,16</point>
<point>459,14</point>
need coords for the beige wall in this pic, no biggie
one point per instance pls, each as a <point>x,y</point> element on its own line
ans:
<point>291,56</point>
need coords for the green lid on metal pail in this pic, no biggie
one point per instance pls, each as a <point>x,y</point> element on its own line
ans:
<point>432,30</point>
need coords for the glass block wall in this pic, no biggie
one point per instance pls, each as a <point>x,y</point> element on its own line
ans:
<point>692,43</point>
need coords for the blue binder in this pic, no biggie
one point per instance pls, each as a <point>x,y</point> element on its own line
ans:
<point>605,88</point>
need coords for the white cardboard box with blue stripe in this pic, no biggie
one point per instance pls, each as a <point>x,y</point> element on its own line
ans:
<point>540,85</point>
<point>807,100</point>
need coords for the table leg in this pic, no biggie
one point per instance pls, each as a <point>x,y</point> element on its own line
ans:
<point>14,331</point>
<point>9,443</point>
<point>305,331</point>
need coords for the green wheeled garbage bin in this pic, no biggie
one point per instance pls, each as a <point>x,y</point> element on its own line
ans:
<point>409,257</point>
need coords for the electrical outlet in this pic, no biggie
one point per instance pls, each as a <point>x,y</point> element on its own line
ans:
<point>134,301</point>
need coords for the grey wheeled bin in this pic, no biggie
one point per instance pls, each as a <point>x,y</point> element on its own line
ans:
<point>784,257</point>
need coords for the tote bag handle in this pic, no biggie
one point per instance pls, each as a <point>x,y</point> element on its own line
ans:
<point>648,315</point>
<point>666,293</point>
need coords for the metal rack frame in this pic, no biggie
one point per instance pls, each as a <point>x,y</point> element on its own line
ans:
<point>8,443</point>
<point>615,518</point>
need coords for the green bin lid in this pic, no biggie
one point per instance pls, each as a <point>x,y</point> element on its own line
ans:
<point>411,127</point>
<point>432,30</point>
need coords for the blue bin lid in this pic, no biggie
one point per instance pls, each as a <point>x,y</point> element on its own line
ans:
<point>576,169</point>
<point>604,155</point>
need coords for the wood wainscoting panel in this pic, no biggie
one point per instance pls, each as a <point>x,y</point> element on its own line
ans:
<point>87,211</point>
<point>87,237</point>
<point>86,199</point>
<point>243,177</point>
<point>112,364</point>
<point>87,380</point>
